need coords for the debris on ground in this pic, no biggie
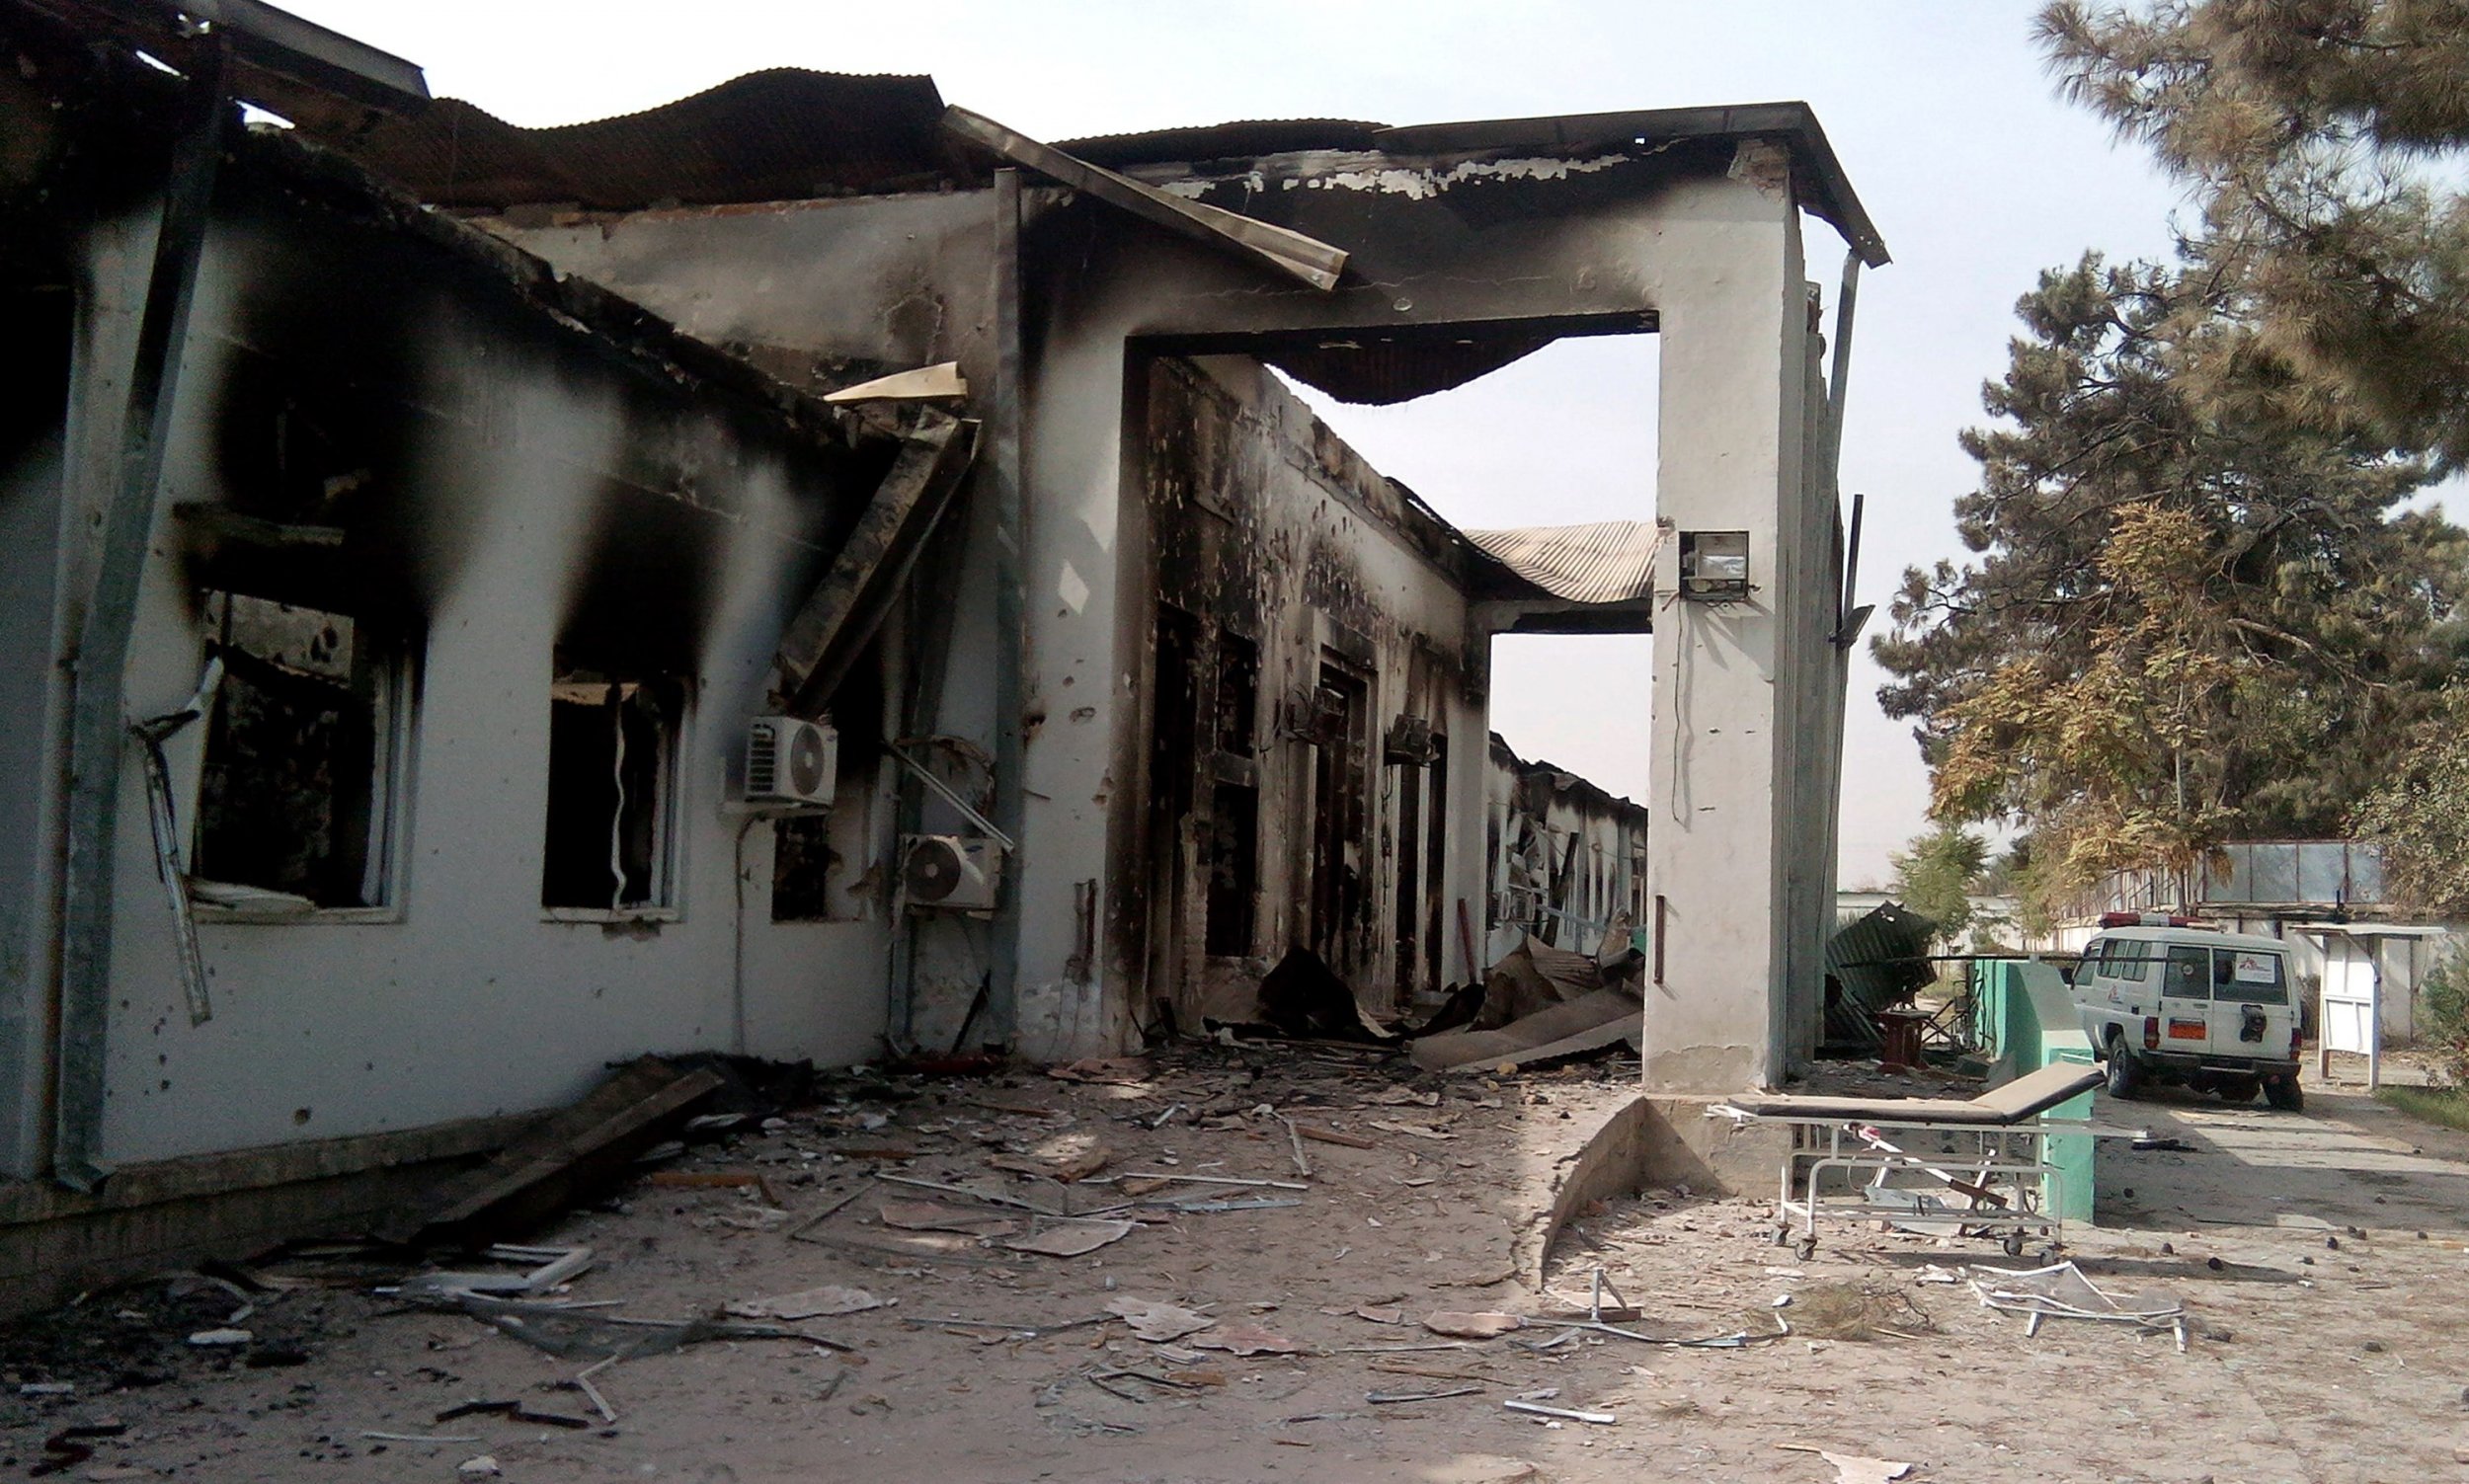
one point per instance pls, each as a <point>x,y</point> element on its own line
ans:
<point>563,1156</point>
<point>1839,1309</point>
<point>1239,1308</point>
<point>829,1302</point>
<point>2062,1292</point>
<point>1852,1468</point>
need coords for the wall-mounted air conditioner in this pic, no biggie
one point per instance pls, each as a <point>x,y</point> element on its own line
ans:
<point>791,761</point>
<point>953,873</point>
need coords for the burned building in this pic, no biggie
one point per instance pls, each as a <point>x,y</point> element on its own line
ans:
<point>1567,859</point>
<point>429,535</point>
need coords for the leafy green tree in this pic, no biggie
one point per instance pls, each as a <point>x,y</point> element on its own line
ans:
<point>1936,875</point>
<point>2186,617</point>
<point>2420,817</point>
<point>2322,141</point>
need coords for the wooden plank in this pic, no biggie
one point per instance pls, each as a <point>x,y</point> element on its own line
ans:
<point>1291,253</point>
<point>849,604</point>
<point>539,1171</point>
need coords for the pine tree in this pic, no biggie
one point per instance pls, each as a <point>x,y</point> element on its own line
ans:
<point>2323,140</point>
<point>2190,616</point>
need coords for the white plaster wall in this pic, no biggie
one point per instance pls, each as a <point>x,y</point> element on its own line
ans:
<point>470,1003</point>
<point>1731,385</point>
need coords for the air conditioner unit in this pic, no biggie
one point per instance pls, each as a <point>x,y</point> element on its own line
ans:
<point>957,873</point>
<point>791,761</point>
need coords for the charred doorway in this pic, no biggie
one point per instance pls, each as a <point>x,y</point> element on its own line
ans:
<point>1173,768</point>
<point>1341,918</point>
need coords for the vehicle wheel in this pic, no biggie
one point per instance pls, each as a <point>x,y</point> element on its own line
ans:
<point>2125,1079</point>
<point>2238,1089</point>
<point>2284,1094</point>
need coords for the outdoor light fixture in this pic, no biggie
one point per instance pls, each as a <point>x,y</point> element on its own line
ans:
<point>1714,566</point>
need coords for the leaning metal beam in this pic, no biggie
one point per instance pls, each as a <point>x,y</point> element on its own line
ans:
<point>850,604</point>
<point>1291,253</point>
<point>1007,489</point>
<point>98,727</point>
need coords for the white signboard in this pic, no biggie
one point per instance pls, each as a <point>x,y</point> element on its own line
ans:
<point>2352,1020</point>
<point>2258,969</point>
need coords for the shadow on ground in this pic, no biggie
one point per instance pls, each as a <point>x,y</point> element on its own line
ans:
<point>2346,1161</point>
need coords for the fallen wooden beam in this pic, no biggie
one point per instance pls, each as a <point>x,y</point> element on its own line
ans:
<point>1291,253</point>
<point>542,1171</point>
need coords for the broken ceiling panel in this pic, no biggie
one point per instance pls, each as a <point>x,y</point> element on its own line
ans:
<point>1386,370</point>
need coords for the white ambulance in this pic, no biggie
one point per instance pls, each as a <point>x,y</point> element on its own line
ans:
<point>2166,1001</point>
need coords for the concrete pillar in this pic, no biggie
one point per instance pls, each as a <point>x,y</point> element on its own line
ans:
<point>1727,793</point>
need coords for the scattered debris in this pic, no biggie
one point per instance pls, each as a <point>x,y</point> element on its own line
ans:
<point>1248,1340</point>
<point>1116,1071</point>
<point>935,1215</point>
<point>1392,1398</point>
<point>2062,1292</point>
<point>1568,1414</point>
<point>482,1467</point>
<point>72,1446</point>
<point>544,1268</point>
<point>1600,1019</point>
<point>219,1337</point>
<point>549,1166</point>
<point>1070,1237</point>
<point>1834,1309</point>
<point>514,1410</point>
<point>827,1301</point>
<point>1319,1135</point>
<point>1471,1326</point>
<point>577,1333</point>
<point>1157,1322</point>
<point>1852,1468</point>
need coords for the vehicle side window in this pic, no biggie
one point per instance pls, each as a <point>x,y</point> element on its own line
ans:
<point>2254,978</point>
<point>2190,971</point>
<point>2125,960</point>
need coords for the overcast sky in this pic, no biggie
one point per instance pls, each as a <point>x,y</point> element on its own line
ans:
<point>1977,174</point>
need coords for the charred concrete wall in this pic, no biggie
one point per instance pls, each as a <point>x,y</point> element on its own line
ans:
<point>1310,664</point>
<point>482,521</point>
<point>824,294</point>
<point>1567,860</point>
<point>1699,242</point>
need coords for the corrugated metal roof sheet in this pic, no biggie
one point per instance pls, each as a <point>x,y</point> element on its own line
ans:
<point>1608,562</point>
<point>783,134</point>
<point>1243,139</point>
<point>1878,963</point>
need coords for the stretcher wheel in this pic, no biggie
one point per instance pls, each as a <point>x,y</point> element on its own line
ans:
<point>1805,1248</point>
<point>2013,1246</point>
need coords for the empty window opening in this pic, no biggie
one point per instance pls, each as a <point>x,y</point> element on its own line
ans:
<point>612,780</point>
<point>1233,868</point>
<point>1238,693</point>
<point>298,789</point>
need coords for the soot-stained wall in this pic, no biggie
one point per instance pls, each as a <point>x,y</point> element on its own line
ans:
<point>1309,669</point>
<point>371,427</point>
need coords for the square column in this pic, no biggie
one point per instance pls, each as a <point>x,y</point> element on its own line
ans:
<point>1737,799</point>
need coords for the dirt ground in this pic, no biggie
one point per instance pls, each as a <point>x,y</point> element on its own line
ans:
<point>2321,1257</point>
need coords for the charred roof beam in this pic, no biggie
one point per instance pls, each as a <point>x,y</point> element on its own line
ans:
<point>1291,253</point>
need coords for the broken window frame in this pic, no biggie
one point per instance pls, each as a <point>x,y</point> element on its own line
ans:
<point>392,657</point>
<point>665,895</point>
